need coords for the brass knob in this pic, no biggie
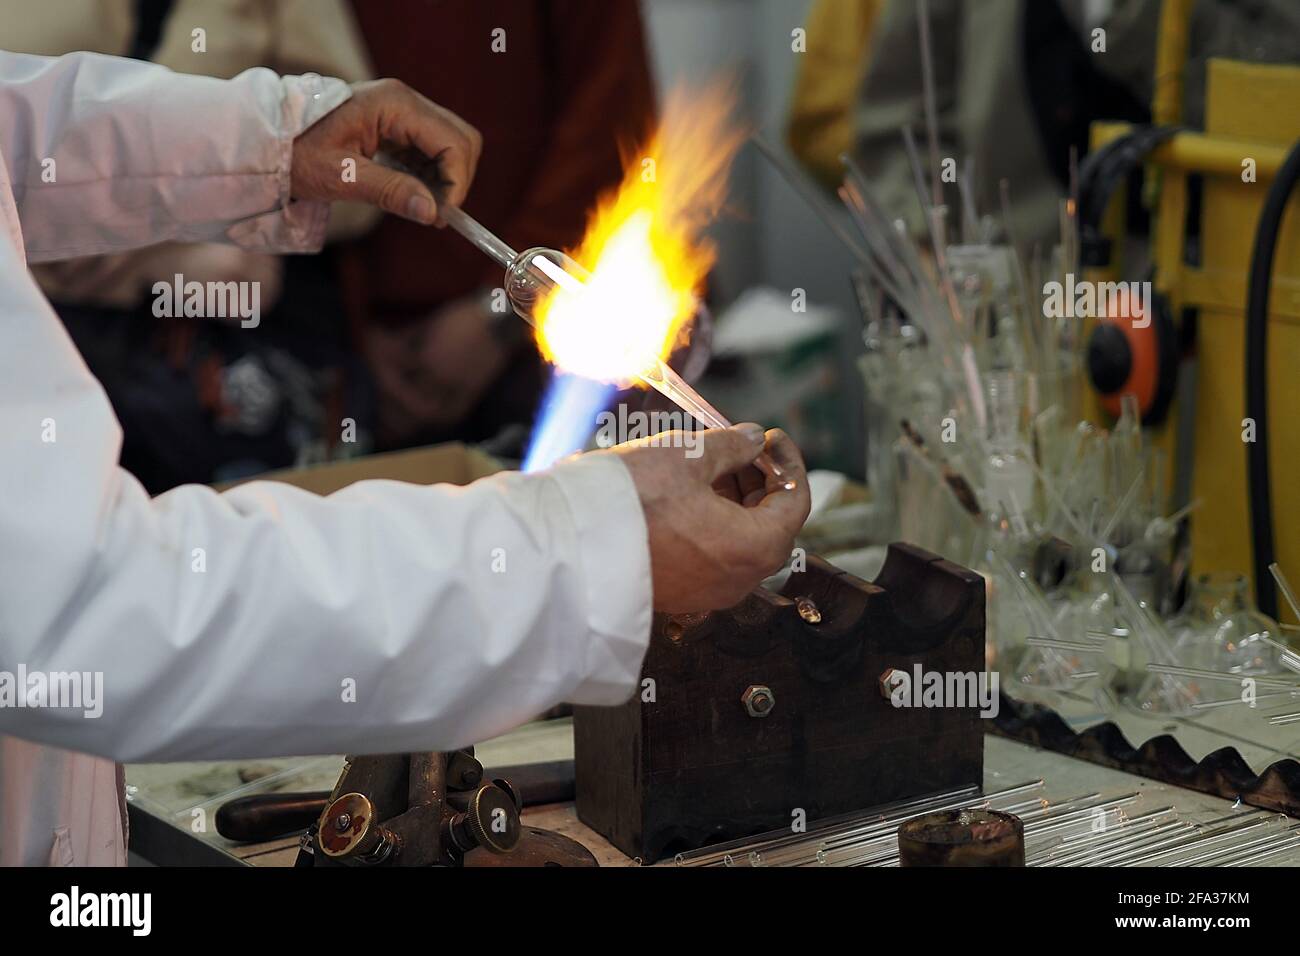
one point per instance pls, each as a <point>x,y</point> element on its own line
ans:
<point>348,830</point>
<point>491,820</point>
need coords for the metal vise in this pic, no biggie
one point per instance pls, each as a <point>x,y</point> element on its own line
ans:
<point>429,809</point>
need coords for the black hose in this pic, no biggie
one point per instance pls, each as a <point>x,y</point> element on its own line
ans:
<point>1257,458</point>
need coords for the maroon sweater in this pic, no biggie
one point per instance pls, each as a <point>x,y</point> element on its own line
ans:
<point>570,91</point>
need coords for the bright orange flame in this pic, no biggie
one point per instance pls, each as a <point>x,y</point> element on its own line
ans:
<point>644,248</point>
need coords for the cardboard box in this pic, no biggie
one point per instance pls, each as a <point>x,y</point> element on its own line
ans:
<point>452,463</point>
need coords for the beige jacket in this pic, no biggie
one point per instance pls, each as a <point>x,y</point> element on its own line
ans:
<point>288,36</point>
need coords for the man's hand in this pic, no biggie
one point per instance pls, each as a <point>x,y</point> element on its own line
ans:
<point>390,114</point>
<point>717,527</point>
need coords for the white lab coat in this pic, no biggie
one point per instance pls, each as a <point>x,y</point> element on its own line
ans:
<point>455,613</point>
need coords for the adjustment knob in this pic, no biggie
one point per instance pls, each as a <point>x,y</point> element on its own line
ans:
<point>348,829</point>
<point>492,820</point>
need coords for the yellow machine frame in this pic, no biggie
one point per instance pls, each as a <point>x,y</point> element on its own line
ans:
<point>1251,121</point>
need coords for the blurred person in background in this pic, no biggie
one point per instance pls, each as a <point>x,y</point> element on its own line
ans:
<point>560,89</point>
<point>1019,82</point>
<point>821,129</point>
<point>204,399</point>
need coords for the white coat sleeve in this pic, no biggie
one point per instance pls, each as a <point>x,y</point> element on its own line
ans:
<point>266,620</point>
<point>105,154</point>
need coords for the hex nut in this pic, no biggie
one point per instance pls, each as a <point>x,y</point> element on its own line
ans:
<point>758,700</point>
<point>809,611</point>
<point>886,682</point>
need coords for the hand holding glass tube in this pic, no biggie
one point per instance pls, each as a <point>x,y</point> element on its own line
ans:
<point>531,276</point>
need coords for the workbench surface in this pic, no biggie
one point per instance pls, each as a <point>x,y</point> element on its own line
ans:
<point>1006,763</point>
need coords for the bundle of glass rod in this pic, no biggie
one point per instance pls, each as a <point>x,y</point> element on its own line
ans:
<point>1092,829</point>
<point>850,828</point>
<point>1163,837</point>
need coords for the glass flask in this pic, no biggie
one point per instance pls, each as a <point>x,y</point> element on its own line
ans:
<point>895,387</point>
<point>1211,599</point>
<point>1219,629</point>
<point>1008,621</point>
<point>1008,473</point>
<point>1074,661</point>
<point>1233,635</point>
<point>1246,643</point>
<point>533,274</point>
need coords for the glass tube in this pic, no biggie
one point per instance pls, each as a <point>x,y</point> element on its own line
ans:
<point>1151,838</point>
<point>1082,850</point>
<point>1221,855</point>
<point>1288,844</point>
<point>1204,845</point>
